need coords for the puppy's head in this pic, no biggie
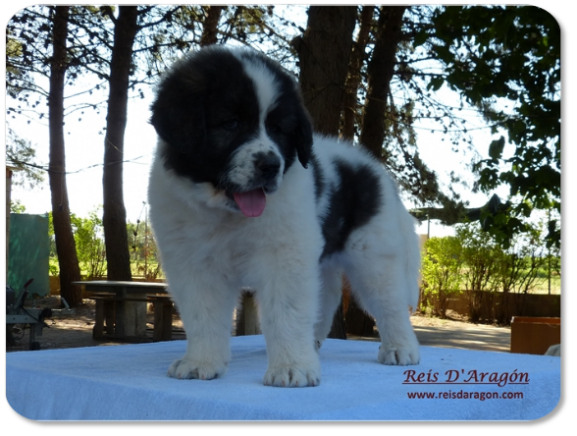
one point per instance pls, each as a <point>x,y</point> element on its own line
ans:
<point>233,119</point>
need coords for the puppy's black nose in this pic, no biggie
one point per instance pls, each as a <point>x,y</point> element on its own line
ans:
<point>268,164</point>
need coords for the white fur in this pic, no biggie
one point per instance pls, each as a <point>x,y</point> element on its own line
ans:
<point>209,253</point>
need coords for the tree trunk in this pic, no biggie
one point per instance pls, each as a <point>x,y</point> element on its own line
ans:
<point>210,28</point>
<point>114,217</point>
<point>65,245</point>
<point>358,322</point>
<point>380,72</point>
<point>350,104</point>
<point>324,52</point>
<point>338,330</point>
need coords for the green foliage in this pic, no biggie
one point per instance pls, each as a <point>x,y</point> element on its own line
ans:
<point>89,238</point>
<point>441,271</point>
<point>505,60</point>
<point>144,252</point>
<point>480,256</point>
<point>521,264</point>
<point>53,265</point>
<point>491,267</point>
<point>19,154</point>
<point>91,251</point>
<point>17,207</point>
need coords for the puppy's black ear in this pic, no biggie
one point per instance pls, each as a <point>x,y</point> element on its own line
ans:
<point>178,118</point>
<point>304,138</point>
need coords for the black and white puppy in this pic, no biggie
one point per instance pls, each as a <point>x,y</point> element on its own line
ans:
<point>243,194</point>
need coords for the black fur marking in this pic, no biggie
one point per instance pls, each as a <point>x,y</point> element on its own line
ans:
<point>351,205</point>
<point>288,116</point>
<point>318,176</point>
<point>288,124</point>
<point>206,107</point>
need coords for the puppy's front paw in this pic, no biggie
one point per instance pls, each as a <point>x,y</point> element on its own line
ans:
<point>293,376</point>
<point>399,354</point>
<point>189,368</point>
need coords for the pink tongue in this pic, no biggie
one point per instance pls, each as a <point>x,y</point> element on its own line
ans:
<point>251,203</point>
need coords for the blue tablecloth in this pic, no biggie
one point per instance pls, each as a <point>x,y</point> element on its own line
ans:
<point>129,382</point>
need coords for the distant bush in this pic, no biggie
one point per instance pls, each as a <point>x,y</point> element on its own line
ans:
<point>519,268</point>
<point>441,272</point>
<point>481,257</point>
<point>90,248</point>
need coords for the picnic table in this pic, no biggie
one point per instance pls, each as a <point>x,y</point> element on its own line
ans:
<point>121,309</point>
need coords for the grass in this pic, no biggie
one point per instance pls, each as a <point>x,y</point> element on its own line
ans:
<point>137,268</point>
<point>542,286</point>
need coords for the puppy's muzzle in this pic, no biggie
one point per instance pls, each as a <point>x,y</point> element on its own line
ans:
<point>268,164</point>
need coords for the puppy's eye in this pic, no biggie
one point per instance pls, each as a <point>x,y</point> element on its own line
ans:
<point>230,125</point>
<point>275,128</point>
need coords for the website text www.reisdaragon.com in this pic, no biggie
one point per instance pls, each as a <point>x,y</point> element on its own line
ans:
<point>466,377</point>
<point>464,395</point>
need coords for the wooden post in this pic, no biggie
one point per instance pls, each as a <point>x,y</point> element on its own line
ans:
<point>162,319</point>
<point>98,329</point>
<point>8,203</point>
<point>247,317</point>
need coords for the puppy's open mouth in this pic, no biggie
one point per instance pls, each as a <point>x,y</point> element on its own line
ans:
<point>251,203</point>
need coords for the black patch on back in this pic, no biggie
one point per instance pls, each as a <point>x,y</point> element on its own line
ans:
<point>318,176</point>
<point>351,204</point>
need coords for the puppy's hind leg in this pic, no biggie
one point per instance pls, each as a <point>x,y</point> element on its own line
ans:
<point>331,293</point>
<point>382,288</point>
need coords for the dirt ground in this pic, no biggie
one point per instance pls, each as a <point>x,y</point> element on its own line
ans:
<point>73,331</point>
